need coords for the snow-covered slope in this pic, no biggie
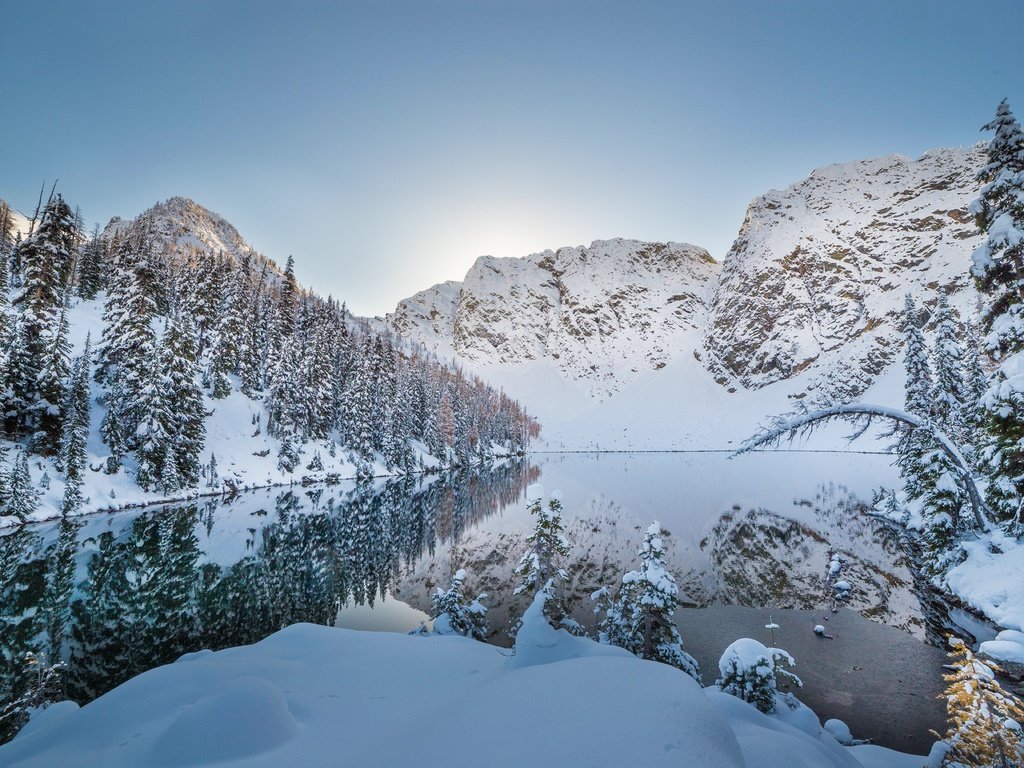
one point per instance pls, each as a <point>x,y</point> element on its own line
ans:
<point>311,695</point>
<point>633,345</point>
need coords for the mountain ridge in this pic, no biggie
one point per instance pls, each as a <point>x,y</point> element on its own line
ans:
<point>804,307</point>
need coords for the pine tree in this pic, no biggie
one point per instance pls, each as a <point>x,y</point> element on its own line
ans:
<point>185,401</point>
<point>91,266</point>
<point>983,718</point>
<point>975,384</point>
<point>24,498</point>
<point>255,342</point>
<point>748,671</point>
<point>75,433</point>
<point>155,432</point>
<point>288,300</point>
<point>998,268</point>
<point>47,260</point>
<point>950,398</point>
<point>647,607</point>
<point>453,613</point>
<point>912,448</point>
<point>286,403</point>
<point>53,376</point>
<point>170,478</point>
<point>114,430</point>
<point>22,374</point>
<point>127,356</point>
<point>538,567</point>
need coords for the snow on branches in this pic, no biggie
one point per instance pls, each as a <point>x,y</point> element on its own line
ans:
<point>862,416</point>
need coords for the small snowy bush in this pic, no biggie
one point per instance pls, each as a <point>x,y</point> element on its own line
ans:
<point>748,671</point>
<point>455,615</point>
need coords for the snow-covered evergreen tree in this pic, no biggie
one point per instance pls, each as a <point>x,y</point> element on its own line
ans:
<point>453,613</point>
<point>24,498</point>
<point>185,401</point>
<point>91,257</point>
<point>912,447</point>
<point>975,386</point>
<point>155,432</point>
<point>538,568</point>
<point>749,671</point>
<point>52,381</point>
<point>75,433</point>
<point>642,618</point>
<point>950,397</point>
<point>998,268</point>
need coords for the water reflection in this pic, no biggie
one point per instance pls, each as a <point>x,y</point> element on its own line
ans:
<point>119,595</point>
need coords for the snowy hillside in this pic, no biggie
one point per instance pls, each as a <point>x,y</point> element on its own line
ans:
<point>659,348</point>
<point>210,370</point>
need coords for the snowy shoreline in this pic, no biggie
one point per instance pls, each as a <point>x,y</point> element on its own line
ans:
<point>280,702</point>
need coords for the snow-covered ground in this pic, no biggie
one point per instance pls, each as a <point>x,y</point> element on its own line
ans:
<point>311,695</point>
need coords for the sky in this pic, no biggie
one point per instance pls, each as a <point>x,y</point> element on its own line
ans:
<point>386,145</point>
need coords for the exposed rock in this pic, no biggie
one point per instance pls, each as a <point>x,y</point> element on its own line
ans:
<point>821,267</point>
<point>603,314</point>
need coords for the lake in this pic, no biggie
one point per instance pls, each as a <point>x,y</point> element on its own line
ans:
<point>114,595</point>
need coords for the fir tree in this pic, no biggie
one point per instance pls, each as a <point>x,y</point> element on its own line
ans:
<point>912,448</point>
<point>91,267</point>
<point>647,608</point>
<point>114,430</point>
<point>998,268</point>
<point>24,498</point>
<point>950,398</point>
<point>170,478</point>
<point>453,613</point>
<point>185,402</point>
<point>155,432</point>
<point>22,374</point>
<point>538,567</point>
<point>75,433</point>
<point>748,671</point>
<point>53,377</point>
<point>975,385</point>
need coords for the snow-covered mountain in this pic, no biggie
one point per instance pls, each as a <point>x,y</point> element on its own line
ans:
<point>602,314</point>
<point>819,269</point>
<point>645,345</point>
<point>183,229</point>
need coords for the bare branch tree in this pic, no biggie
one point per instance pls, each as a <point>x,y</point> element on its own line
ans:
<point>862,415</point>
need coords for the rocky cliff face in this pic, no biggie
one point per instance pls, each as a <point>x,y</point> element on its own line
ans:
<point>809,293</point>
<point>601,314</point>
<point>819,269</point>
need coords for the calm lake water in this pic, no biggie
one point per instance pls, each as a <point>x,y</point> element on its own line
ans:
<point>114,595</point>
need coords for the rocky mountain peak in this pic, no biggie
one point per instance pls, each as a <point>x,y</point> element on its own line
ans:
<point>824,265</point>
<point>602,314</point>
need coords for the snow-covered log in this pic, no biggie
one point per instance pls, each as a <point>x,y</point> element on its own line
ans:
<point>865,413</point>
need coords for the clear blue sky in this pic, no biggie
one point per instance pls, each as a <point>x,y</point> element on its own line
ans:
<point>388,144</point>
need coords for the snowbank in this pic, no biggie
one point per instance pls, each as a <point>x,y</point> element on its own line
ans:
<point>311,695</point>
<point>989,578</point>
